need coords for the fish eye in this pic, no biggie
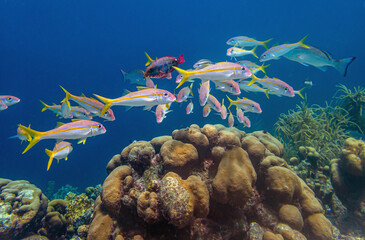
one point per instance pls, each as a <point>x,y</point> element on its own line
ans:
<point>99,125</point>
<point>286,89</point>
<point>9,98</point>
<point>165,94</point>
<point>252,106</point>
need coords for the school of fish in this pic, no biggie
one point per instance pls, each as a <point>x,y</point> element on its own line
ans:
<point>232,78</point>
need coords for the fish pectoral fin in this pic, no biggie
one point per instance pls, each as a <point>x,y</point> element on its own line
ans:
<point>148,108</point>
<point>66,158</point>
<point>82,141</point>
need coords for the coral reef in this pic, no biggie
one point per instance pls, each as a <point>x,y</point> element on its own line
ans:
<point>22,206</point>
<point>236,187</point>
<point>354,103</point>
<point>348,177</point>
<point>64,190</point>
<point>78,211</point>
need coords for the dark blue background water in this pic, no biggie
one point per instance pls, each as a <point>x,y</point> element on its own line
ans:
<point>83,44</point>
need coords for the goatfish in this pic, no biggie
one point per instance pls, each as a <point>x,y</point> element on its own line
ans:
<point>90,104</point>
<point>146,97</point>
<point>246,104</point>
<point>220,71</point>
<point>202,63</point>
<point>8,100</point>
<point>252,88</point>
<point>3,106</point>
<point>80,129</point>
<point>214,103</point>
<point>275,85</point>
<point>228,86</point>
<point>243,41</point>
<point>223,112</point>
<point>161,111</point>
<point>240,115</point>
<point>246,122</point>
<point>189,108</point>
<point>238,52</point>
<point>206,110</point>
<point>254,68</point>
<point>184,93</point>
<point>278,51</point>
<point>204,92</point>
<point>230,119</point>
<point>61,150</point>
<point>319,59</point>
<point>77,112</point>
<point>134,77</point>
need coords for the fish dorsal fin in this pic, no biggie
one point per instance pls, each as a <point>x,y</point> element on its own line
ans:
<point>126,91</point>
<point>76,119</point>
<point>139,88</point>
<point>59,124</point>
<point>82,95</point>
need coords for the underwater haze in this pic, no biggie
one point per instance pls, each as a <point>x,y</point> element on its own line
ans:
<point>82,45</point>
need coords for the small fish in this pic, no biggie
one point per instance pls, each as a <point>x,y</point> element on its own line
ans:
<point>246,104</point>
<point>150,83</point>
<point>228,86</point>
<point>189,108</point>
<point>239,52</point>
<point>240,116</point>
<point>223,112</point>
<point>22,135</point>
<point>319,59</point>
<point>3,106</point>
<point>66,110</point>
<point>278,51</point>
<point>206,110</point>
<point>77,112</point>
<point>254,68</point>
<point>252,88</point>
<point>246,122</point>
<point>243,41</point>
<point>134,77</point>
<point>147,98</point>
<point>184,93</point>
<point>230,119</point>
<point>90,104</point>
<point>220,71</point>
<point>275,85</point>
<point>161,67</point>
<point>9,100</point>
<point>80,129</point>
<point>204,92</point>
<point>309,83</point>
<point>161,111</point>
<point>202,63</point>
<point>61,150</point>
<point>214,103</point>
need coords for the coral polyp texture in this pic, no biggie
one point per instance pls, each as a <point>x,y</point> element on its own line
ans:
<point>207,183</point>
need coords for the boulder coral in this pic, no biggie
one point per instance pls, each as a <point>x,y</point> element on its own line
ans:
<point>207,183</point>
<point>22,207</point>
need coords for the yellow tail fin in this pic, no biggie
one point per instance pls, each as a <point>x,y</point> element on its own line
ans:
<point>254,79</point>
<point>253,52</point>
<point>45,106</point>
<point>186,75</point>
<point>107,102</point>
<point>50,155</point>
<point>299,92</point>
<point>230,102</point>
<point>302,44</point>
<point>267,93</point>
<point>149,59</point>
<point>263,68</point>
<point>34,135</point>
<point>191,89</point>
<point>68,95</point>
<point>264,43</point>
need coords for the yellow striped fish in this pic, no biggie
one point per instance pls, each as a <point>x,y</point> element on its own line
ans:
<point>60,150</point>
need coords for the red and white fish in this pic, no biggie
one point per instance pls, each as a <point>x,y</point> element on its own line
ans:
<point>90,104</point>
<point>230,119</point>
<point>275,85</point>
<point>61,150</point>
<point>246,122</point>
<point>240,116</point>
<point>204,92</point>
<point>3,106</point>
<point>189,108</point>
<point>238,52</point>
<point>223,112</point>
<point>220,72</point>
<point>81,129</point>
<point>162,67</point>
<point>184,93</point>
<point>206,110</point>
<point>214,103</point>
<point>161,111</point>
<point>147,98</point>
<point>246,104</point>
<point>8,100</point>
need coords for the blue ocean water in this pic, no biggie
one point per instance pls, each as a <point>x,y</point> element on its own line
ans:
<point>82,45</point>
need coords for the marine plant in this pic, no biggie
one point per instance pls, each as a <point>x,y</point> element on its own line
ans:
<point>323,128</point>
<point>354,103</point>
